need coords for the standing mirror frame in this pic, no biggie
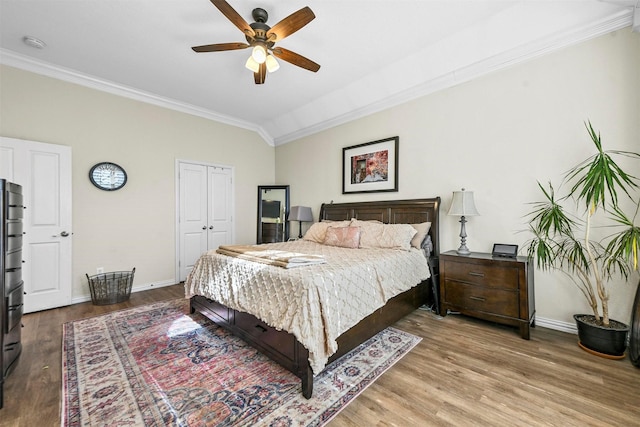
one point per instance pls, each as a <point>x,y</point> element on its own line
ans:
<point>273,209</point>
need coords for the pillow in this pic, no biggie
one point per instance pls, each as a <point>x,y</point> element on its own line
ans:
<point>390,236</point>
<point>344,237</point>
<point>318,230</point>
<point>422,231</point>
<point>427,246</point>
<point>368,221</point>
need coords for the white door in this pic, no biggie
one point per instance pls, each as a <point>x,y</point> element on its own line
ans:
<point>192,215</point>
<point>205,206</point>
<point>219,201</point>
<point>44,171</point>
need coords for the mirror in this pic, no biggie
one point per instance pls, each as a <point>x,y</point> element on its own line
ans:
<point>273,208</point>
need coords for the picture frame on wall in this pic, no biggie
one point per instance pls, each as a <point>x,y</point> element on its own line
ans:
<point>371,167</point>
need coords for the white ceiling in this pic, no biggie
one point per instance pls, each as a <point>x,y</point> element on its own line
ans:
<point>373,53</point>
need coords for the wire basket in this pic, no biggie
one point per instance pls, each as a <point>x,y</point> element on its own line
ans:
<point>111,288</point>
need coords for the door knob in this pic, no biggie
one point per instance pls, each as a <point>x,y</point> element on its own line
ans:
<point>211,227</point>
<point>204,227</point>
<point>64,234</point>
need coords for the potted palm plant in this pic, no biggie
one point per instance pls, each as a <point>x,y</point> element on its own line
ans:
<point>563,241</point>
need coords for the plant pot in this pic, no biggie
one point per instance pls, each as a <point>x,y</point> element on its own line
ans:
<point>634,334</point>
<point>609,342</point>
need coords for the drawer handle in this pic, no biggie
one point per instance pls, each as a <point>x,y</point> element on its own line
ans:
<point>261,328</point>
<point>477,299</point>
<point>473,273</point>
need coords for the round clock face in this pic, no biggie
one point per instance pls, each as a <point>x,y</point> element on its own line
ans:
<point>108,176</point>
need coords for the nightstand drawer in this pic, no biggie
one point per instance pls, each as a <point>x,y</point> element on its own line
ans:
<point>484,275</point>
<point>477,298</point>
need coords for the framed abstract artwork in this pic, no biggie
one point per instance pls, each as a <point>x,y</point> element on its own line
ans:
<point>370,167</point>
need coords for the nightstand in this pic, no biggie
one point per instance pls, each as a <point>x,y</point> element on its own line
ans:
<point>490,288</point>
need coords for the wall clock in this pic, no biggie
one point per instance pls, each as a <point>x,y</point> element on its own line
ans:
<point>108,176</point>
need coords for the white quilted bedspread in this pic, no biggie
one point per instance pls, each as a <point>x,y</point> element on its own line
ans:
<point>315,303</point>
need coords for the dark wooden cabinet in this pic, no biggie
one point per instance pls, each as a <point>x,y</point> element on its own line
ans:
<point>11,284</point>
<point>491,288</point>
<point>272,232</point>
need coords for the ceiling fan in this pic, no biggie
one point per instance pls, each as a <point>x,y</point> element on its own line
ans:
<point>262,39</point>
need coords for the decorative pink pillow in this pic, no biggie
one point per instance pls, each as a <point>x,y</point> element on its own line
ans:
<point>344,237</point>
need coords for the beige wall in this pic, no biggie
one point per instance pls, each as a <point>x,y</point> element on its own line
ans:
<point>495,135</point>
<point>135,226</point>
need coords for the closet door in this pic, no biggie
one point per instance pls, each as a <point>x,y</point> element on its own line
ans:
<point>205,205</point>
<point>192,215</point>
<point>219,212</point>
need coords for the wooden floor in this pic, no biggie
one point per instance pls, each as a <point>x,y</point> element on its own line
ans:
<point>464,372</point>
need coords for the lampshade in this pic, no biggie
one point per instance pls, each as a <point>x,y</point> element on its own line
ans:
<point>462,204</point>
<point>300,213</point>
<point>272,64</point>
<point>259,54</point>
<point>252,65</point>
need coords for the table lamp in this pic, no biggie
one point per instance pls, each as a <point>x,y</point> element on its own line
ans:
<point>462,205</point>
<point>301,214</point>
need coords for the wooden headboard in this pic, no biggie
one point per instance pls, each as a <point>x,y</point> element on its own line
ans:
<point>390,212</point>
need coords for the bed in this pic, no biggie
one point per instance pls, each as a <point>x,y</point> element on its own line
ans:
<point>298,345</point>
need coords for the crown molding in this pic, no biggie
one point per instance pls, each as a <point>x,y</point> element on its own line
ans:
<point>13,59</point>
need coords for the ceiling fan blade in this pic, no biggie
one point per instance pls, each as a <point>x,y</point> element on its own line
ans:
<point>295,59</point>
<point>261,75</point>
<point>233,16</point>
<point>291,23</point>
<point>218,47</point>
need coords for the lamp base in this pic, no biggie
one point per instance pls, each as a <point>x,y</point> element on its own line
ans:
<point>463,251</point>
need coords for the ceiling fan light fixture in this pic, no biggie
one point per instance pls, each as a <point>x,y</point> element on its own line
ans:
<point>259,54</point>
<point>261,39</point>
<point>252,65</point>
<point>272,64</point>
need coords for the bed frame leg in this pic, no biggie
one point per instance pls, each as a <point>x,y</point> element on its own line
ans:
<point>307,383</point>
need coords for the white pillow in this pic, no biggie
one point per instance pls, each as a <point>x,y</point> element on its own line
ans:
<point>423,230</point>
<point>390,236</point>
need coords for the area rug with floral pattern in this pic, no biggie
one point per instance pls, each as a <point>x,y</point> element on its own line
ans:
<point>158,365</point>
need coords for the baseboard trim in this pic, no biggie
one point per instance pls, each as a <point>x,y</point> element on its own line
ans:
<point>540,321</point>
<point>139,288</point>
<point>557,325</point>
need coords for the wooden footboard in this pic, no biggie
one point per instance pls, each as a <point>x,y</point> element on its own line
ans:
<point>283,348</point>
